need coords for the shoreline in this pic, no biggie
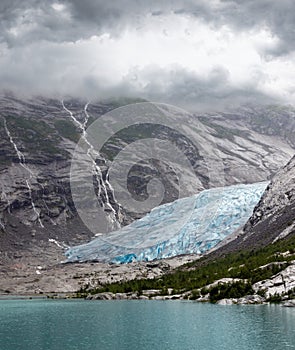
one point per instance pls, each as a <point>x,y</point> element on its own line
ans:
<point>247,300</point>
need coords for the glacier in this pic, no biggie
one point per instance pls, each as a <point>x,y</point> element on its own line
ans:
<point>191,225</point>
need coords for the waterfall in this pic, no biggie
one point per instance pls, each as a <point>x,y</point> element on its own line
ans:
<point>93,155</point>
<point>22,163</point>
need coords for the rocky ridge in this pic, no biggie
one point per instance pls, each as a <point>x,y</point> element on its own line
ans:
<point>274,216</point>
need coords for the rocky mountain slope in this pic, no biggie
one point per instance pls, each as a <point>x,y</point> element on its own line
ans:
<point>276,209</point>
<point>38,138</point>
<point>268,238</point>
<point>273,217</point>
<point>256,266</point>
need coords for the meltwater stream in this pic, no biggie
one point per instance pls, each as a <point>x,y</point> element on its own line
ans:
<point>23,164</point>
<point>92,154</point>
<point>188,225</point>
<point>143,325</point>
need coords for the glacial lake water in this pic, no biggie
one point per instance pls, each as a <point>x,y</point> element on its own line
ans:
<point>143,325</point>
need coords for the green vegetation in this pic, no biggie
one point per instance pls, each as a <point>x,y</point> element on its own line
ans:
<point>37,136</point>
<point>223,132</point>
<point>291,293</point>
<point>4,160</point>
<point>127,136</point>
<point>252,265</point>
<point>276,298</point>
<point>67,130</point>
<point>229,290</point>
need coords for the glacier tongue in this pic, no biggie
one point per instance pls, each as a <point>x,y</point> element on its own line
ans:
<point>188,225</point>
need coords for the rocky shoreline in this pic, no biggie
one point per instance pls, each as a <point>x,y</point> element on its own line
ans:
<point>152,295</point>
<point>148,295</point>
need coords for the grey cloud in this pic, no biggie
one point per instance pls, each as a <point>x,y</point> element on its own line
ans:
<point>36,20</point>
<point>185,88</point>
<point>38,61</point>
<point>52,72</point>
<point>278,16</point>
<point>92,17</point>
<point>80,20</point>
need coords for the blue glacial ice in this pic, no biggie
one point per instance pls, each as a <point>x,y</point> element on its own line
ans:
<point>191,225</point>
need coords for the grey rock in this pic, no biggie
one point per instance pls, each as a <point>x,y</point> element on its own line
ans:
<point>251,299</point>
<point>101,296</point>
<point>226,302</point>
<point>273,217</point>
<point>248,299</point>
<point>158,297</point>
<point>289,303</point>
<point>280,283</point>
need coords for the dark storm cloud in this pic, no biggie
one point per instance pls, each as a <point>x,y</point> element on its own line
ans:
<point>32,20</point>
<point>278,16</point>
<point>25,22</point>
<point>36,54</point>
<point>38,20</point>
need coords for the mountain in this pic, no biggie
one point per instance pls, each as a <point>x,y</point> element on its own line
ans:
<point>255,265</point>
<point>38,140</point>
<point>274,216</point>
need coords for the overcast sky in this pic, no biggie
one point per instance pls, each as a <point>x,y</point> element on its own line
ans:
<point>196,54</point>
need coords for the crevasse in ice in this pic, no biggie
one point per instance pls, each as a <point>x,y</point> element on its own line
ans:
<point>189,225</point>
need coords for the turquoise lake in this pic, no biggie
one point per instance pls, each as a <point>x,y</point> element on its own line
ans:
<point>143,325</point>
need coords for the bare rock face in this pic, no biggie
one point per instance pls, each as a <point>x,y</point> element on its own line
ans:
<point>289,303</point>
<point>279,284</point>
<point>274,216</point>
<point>246,300</point>
<point>37,140</point>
